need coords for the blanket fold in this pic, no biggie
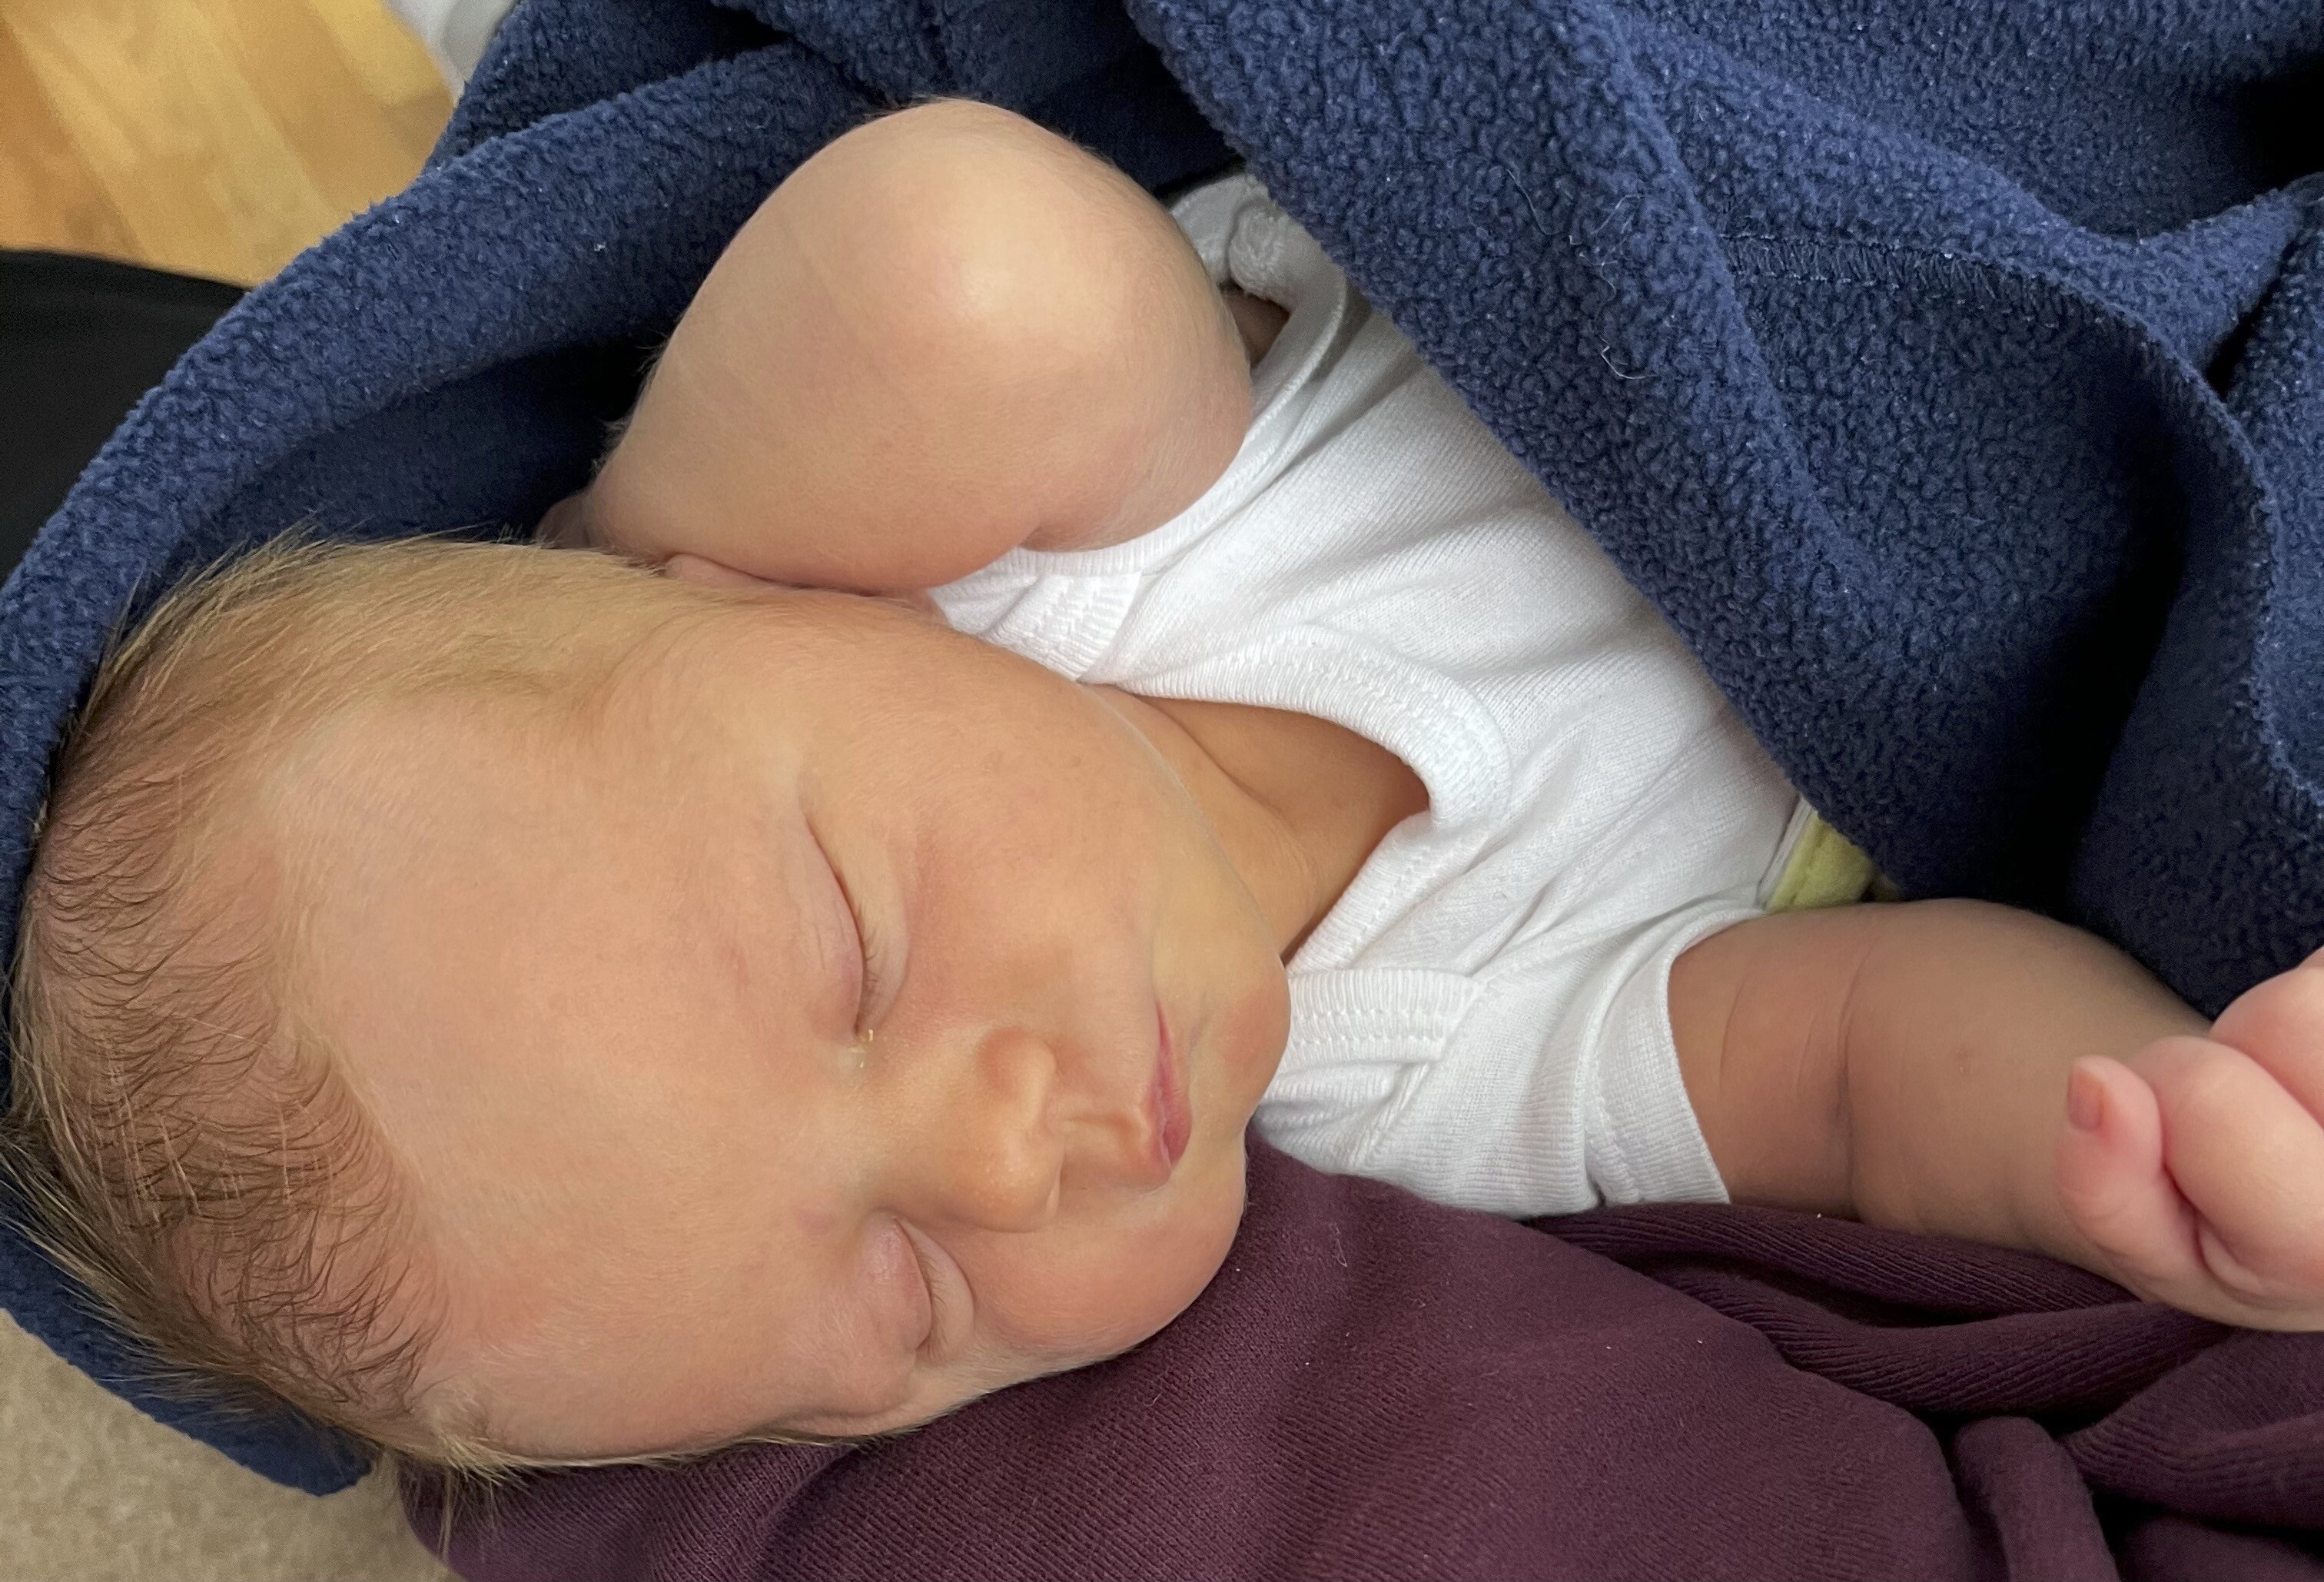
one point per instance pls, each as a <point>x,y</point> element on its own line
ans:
<point>1949,376</point>
<point>1924,466</point>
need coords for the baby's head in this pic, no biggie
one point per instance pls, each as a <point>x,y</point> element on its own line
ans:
<point>523,1009</point>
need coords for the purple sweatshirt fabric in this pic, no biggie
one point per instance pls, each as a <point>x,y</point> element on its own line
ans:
<point>1377,1386</point>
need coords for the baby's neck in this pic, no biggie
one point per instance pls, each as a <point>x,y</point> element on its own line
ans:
<point>1298,803</point>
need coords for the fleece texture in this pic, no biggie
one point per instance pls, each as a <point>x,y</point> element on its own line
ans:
<point>1949,376</point>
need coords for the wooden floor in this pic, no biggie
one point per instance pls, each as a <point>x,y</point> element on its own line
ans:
<point>215,137</point>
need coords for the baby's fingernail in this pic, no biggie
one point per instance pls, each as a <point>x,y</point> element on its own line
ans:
<point>2082,1100</point>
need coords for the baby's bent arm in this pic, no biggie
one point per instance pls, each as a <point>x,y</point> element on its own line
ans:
<point>1907,1064</point>
<point>948,333</point>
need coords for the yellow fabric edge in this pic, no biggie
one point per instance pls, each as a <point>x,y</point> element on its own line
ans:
<point>1826,869</point>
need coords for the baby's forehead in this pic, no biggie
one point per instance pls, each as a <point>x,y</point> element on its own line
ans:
<point>507,732</point>
<point>766,649</point>
<point>684,688</point>
<point>374,771</point>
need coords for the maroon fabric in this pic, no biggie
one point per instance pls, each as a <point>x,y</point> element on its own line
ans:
<point>1378,1386</point>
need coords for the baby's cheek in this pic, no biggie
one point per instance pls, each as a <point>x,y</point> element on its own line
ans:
<point>1133,1279</point>
<point>1167,1268</point>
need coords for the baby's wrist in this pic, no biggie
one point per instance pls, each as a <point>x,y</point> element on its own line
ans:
<point>1962,1031</point>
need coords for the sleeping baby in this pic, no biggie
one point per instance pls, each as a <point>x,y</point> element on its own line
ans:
<point>1040,684</point>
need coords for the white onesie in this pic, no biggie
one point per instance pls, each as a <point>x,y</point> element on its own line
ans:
<point>1484,1015</point>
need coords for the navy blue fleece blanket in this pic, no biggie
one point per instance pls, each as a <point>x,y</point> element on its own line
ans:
<point>1952,376</point>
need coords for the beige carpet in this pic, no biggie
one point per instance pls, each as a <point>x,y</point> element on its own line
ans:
<point>97,1492</point>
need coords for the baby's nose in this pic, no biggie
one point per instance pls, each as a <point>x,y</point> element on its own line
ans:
<point>994,1158</point>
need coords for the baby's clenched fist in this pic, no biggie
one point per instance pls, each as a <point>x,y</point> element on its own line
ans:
<point>2196,1167</point>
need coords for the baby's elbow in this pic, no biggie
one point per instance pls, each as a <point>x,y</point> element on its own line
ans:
<point>950,234</point>
<point>1018,307</point>
<point>1071,321</point>
<point>982,230</point>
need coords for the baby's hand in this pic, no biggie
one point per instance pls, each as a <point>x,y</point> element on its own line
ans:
<point>2196,1168</point>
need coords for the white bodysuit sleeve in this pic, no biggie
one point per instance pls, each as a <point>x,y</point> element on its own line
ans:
<point>1562,1091</point>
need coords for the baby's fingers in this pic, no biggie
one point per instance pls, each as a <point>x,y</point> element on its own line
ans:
<point>2113,1183</point>
<point>2249,1157</point>
<point>2280,1024</point>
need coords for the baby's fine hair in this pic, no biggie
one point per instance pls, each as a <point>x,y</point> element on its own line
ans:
<point>181,1136</point>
